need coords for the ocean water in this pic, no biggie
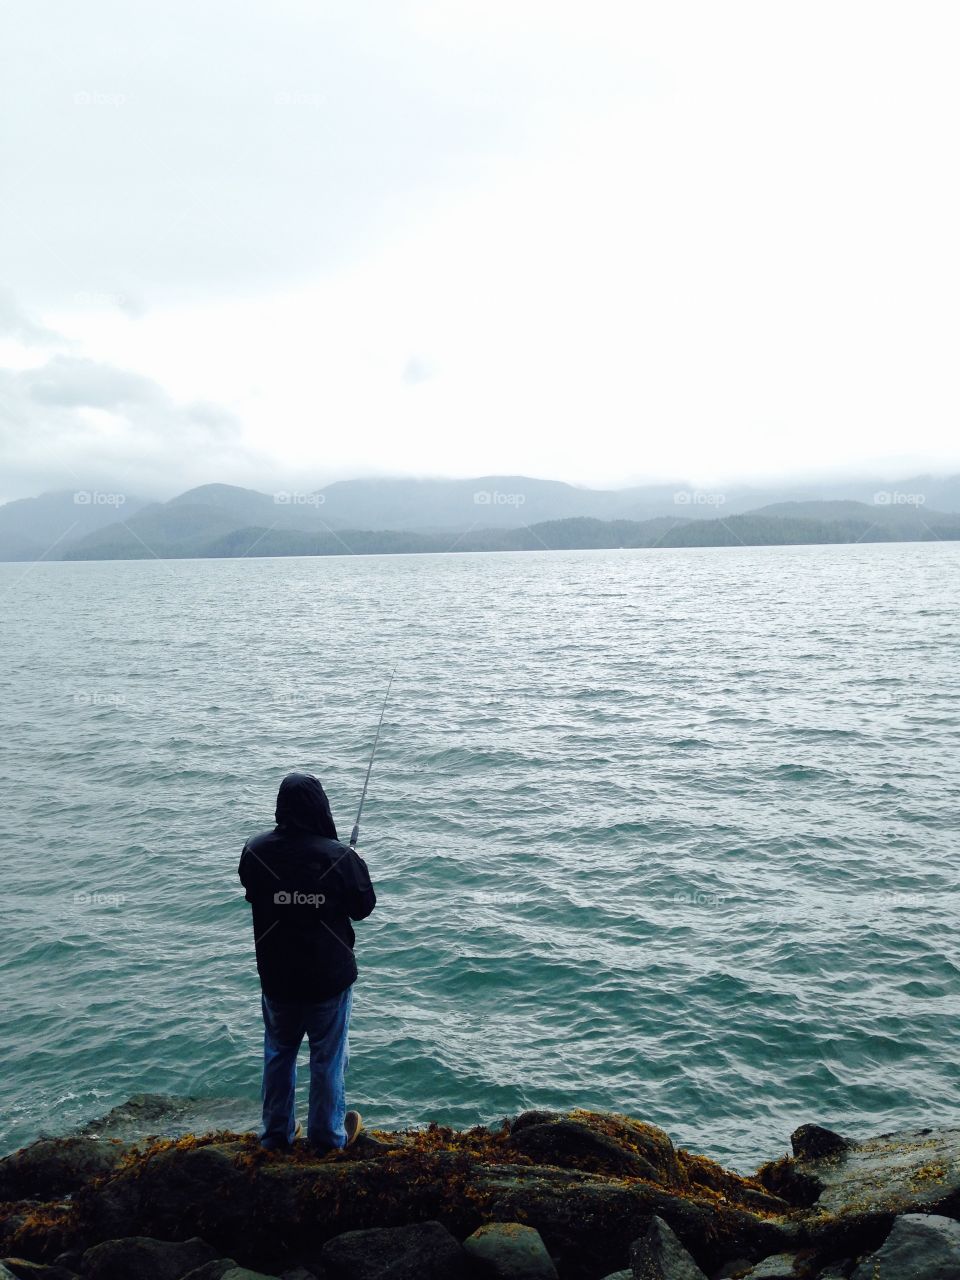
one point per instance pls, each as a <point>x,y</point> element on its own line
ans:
<point>668,832</point>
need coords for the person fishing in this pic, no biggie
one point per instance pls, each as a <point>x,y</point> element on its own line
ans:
<point>305,888</point>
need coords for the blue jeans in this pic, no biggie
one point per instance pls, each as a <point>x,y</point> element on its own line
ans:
<point>325,1025</point>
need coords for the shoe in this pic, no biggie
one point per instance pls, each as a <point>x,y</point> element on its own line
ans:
<point>353,1123</point>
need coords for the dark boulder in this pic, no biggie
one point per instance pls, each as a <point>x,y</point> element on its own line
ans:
<point>213,1270</point>
<point>919,1247</point>
<point>914,1169</point>
<point>509,1251</point>
<point>142,1258</point>
<point>24,1269</point>
<point>527,1118</point>
<point>37,1229</point>
<point>780,1266</point>
<point>173,1192</point>
<point>160,1115</point>
<point>244,1273</point>
<point>811,1141</point>
<point>859,1190</point>
<point>424,1251</point>
<point>659,1255</point>
<point>597,1144</point>
<point>588,1222</point>
<point>70,1259</point>
<point>269,1209</point>
<point>565,1144</point>
<point>52,1167</point>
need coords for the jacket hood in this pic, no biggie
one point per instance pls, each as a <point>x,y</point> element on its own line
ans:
<point>302,802</point>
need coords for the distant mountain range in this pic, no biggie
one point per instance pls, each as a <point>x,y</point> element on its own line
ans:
<point>486,513</point>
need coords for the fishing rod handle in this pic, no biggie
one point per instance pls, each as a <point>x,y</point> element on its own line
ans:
<point>354,835</point>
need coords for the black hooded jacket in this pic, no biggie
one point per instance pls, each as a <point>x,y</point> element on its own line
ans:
<point>305,888</point>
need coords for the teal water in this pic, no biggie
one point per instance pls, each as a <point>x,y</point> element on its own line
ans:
<point>668,832</point>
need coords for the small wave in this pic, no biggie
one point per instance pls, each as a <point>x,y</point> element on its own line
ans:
<point>471,758</point>
<point>813,733</point>
<point>799,773</point>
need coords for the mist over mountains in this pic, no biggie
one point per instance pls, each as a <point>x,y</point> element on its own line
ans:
<point>482,513</point>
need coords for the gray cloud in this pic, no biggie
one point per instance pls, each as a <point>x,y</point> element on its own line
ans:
<point>78,423</point>
<point>15,322</point>
<point>72,381</point>
<point>567,219</point>
<point>211,147</point>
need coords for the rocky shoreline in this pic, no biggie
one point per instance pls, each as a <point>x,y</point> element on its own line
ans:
<point>578,1195</point>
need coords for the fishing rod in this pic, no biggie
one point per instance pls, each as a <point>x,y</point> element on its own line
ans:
<point>355,833</point>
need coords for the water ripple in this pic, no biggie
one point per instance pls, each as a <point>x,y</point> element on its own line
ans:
<point>666,832</point>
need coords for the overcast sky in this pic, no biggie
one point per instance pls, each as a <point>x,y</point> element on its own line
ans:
<point>294,240</point>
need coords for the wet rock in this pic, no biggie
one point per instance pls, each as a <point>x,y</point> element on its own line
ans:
<point>168,1194</point>
<point>242,1273</point>
<point>424,1251</point>
<point>527,1118</point>
<point>597,1143</point>
<point>811,1141</point>
<point>510,1251</point>
<point>245,1202</point>
<point>619,1275</point>
<point>786,1179</point>
<point>659,1255</point>
<point>569,1145</point>
<point>589,1222</point>
<point>894,1173</point>
<point>37,1229</point>
<point>852,1195</point>
<point>142,1258</point>
<point>733,1270</point>
<point>71,1259</point>
<point>24,1269</point>
<point>153,1115</point>
<point>863,1187</point>
<point>919,1247</point>
<point>213,1270</point>
<point>780,1266</point>
<point>53,1167</point>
